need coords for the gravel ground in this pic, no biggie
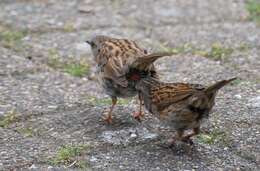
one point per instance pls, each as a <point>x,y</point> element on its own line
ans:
<point>44,109</point>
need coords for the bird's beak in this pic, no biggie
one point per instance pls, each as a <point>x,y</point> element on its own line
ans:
<point>90,43</point>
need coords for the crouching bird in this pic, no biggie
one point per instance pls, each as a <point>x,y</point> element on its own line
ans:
<point>182,106</point>
<point>121,63</point>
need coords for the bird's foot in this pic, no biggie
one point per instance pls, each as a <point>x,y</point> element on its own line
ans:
<point>187,140</point>
<point>170,144</point>
<point>108,119</point>
<point>138,116</point>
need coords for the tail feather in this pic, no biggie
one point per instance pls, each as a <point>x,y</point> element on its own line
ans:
<point>144,62</point>
<point>218,85</point>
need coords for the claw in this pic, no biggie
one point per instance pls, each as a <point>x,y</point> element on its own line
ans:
<point>138,116</point>
<point>188,141</point>
<point>167,146</point>
<point>108,119</point>
<point>170,144</point>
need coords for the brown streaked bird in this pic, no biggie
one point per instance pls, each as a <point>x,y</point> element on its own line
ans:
<point>182,106</point>
<point>120,64</point>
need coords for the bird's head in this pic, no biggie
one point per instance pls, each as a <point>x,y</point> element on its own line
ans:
<point>96,43</point>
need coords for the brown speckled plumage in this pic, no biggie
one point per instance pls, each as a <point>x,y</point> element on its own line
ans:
<point>181,105</point>
<point>120,64</point>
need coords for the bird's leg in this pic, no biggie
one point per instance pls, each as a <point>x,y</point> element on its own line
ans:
<point>108,117</point>
<point>177,137</point>
<point>138,115</point>
<point>187,139</point>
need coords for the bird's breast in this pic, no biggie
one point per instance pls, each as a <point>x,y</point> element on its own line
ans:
<point>113,89</point>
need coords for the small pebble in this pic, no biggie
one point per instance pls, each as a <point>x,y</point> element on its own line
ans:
<point>33,166</point>
<point>93,159</point>
<point>238,96</point>
<point>133,135</point>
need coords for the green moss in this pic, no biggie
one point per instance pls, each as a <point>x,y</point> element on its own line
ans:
<point>216,51</point>
<point>186,48</point>
<point>216,136</point>
<point>68,27</point>
<point>244,47</point>
<point>205,138</point>
<point>200,52</point>
<point>9,118</point>
<point>27,132</point>
<point>236,82</point>
<point>219,52</point>
<point>257,80</point>
<point>77,70</point>
<point>11,36</point>
<point>253,7</point>
<point>12,39</point>
<point>69,154</point>
<point>71,66</point>
<point>54,59</point>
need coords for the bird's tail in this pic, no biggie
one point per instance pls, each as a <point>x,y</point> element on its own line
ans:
<point>218,85</point>
<point>144,62</point>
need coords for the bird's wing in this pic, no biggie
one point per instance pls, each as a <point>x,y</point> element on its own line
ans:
<point>172,93</point>
<point>144,62</point>
<point>114,58</point>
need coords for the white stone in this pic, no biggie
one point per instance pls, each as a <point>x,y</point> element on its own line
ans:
<point>238,96</point>
<point>255,102</point>
<point>133,135</point>
<point>93,159</point>
<point>33,166</point>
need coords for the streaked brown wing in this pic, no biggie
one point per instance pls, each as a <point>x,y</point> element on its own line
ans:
<point>167,94</point>
<point>115,55</point>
